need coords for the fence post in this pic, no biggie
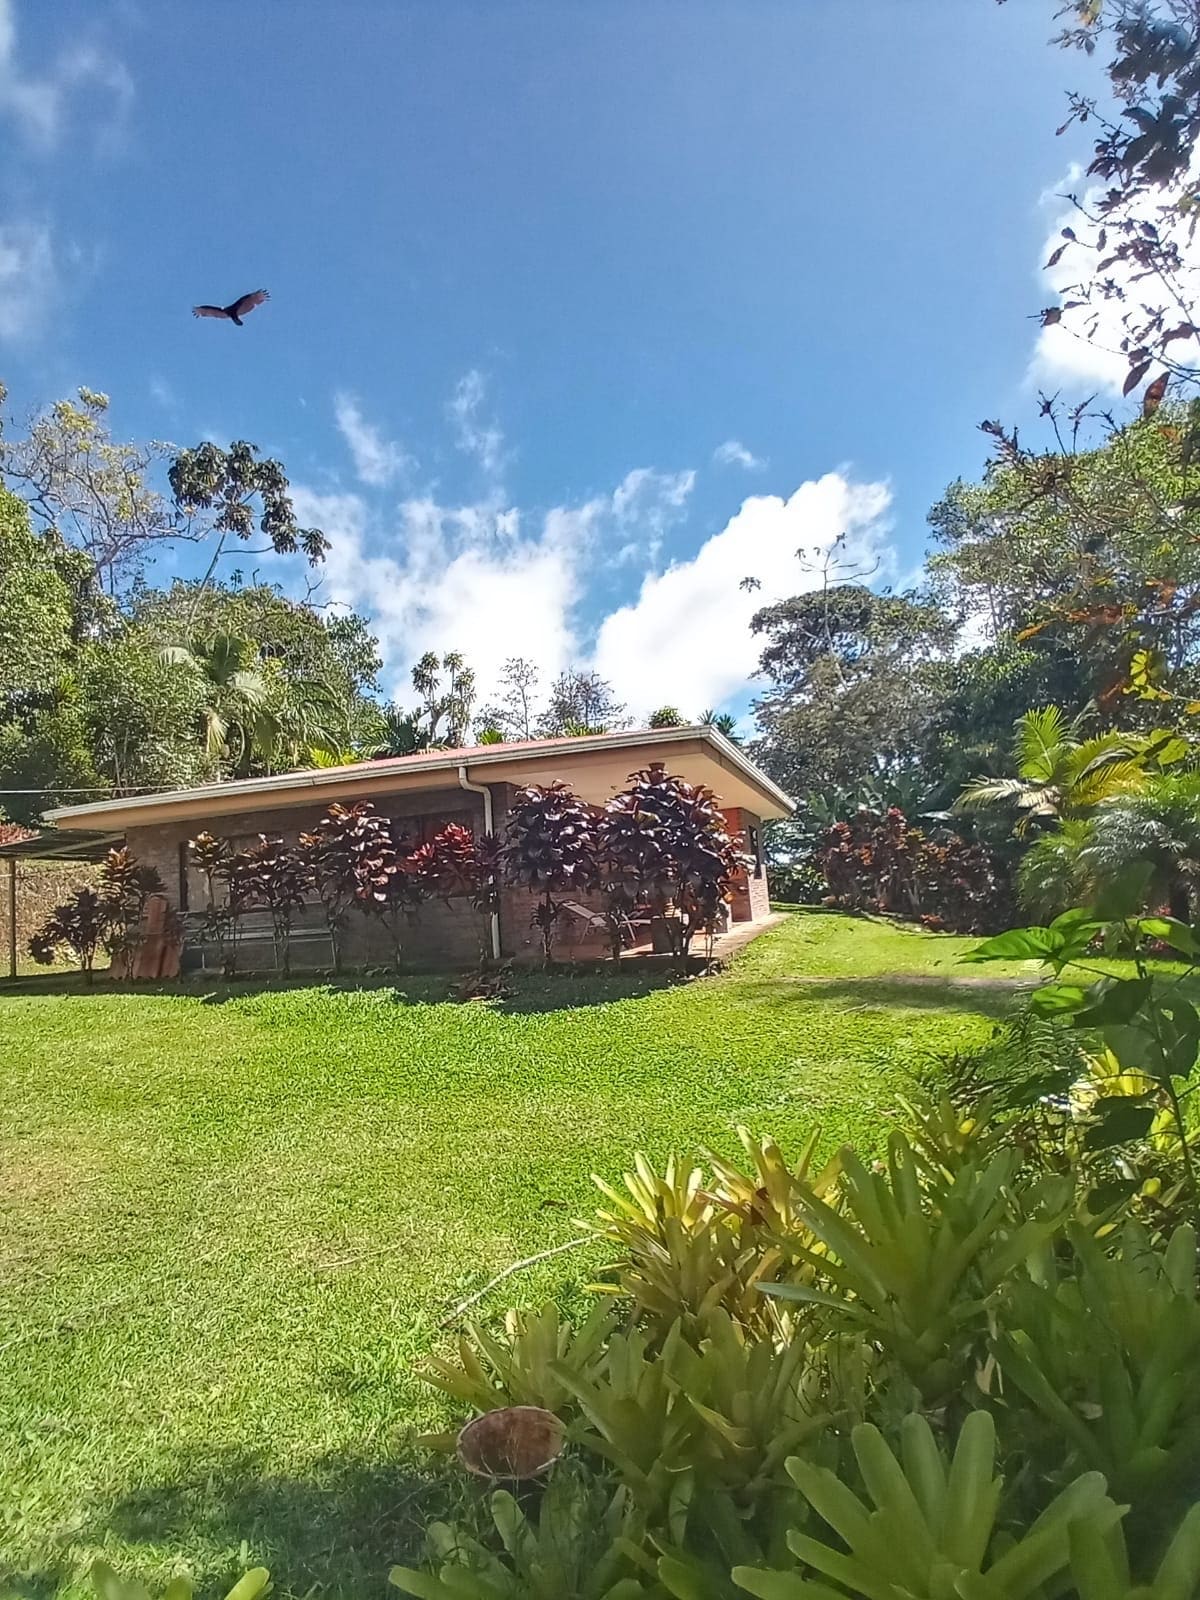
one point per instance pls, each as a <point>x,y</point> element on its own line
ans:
<point>12,916</point>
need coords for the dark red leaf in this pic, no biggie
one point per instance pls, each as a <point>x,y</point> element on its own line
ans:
<point>1153,396</point>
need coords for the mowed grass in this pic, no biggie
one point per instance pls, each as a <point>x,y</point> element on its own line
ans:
<point>232,1220</point>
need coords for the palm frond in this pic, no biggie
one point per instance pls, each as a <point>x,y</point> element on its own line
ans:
<point>216,731</point>
<point>992,791</point>
<point>1105,779</point>
<point>1042,738</point>
<point>177,655</point>
<point>250,686</point>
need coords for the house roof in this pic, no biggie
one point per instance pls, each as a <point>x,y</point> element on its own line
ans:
<point>596,765</point>
<point>51,845</point>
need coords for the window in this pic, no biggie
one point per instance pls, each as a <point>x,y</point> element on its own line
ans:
<point>754,845</point>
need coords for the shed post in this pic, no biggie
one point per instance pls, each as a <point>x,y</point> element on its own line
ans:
<point>12,916</point>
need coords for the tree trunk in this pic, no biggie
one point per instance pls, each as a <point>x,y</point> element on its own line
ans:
<point>1179,901</point>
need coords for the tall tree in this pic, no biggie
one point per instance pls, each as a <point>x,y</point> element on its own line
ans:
<point>36,613</point>
<point>238,492</point>
<point>581,702</point>
<point>305,657</point>
<point>514,713</point>
<point>1133,244</point>
<point>853,677</point>
<point>99,494</point>
<point>1081,554</point>
<point>254,716</point>
<point>141,721</point>
<point>446,688</point>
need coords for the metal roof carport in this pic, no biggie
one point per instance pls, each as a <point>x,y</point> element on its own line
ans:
<point>49,846</point>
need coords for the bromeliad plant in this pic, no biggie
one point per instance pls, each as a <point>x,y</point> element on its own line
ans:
<point>929,1528</point>
<point>1102,1346</point>
<point>689,1244</point>
<point>981,1394</point>
<point>948,1313</point>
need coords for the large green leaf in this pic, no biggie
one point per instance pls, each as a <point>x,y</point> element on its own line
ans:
<point>1121,1119</point>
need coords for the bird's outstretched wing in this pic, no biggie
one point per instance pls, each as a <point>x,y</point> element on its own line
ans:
<point>209,311</point>
<point>248,302</point>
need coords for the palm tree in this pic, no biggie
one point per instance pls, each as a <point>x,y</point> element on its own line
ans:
<point>254,714</point>
<point>1054,874</point>
<point>1060,774</point>
<point>723,721</point>
<point>404,733</point>
<point>303,715</point>
<point>237,690</point>
<point>1157,829</point>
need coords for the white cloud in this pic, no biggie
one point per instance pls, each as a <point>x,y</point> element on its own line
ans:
<point>733,453</point>
<point>449,578</point>
<point>644,505</point>
<point>484,577</point>
<point>29,278</point>
<point>494,580</point>
<point>36,104</point>
<point>377,461</point>
<point>162,394</point>
<point>686,640</point>
<point>1083,349</point>
<point>474,435</point>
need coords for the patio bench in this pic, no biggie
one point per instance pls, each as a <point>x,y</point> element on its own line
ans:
<point>255,939</point>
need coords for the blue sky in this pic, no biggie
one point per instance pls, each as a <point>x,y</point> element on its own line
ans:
<point>580,311</point>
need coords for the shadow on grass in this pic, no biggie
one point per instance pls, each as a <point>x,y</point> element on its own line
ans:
<point>33,1583</point>
<point>527,991</point>
<point>992,997</point>
<point>336,1528</point>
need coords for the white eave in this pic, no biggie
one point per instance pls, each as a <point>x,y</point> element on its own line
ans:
<point>327,781</point>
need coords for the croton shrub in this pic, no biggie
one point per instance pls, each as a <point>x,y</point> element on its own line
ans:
<point>877,862</point>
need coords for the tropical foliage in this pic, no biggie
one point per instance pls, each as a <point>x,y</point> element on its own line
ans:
<point>880,864</point>
<point>107,915</point>
<point>950,1372</point>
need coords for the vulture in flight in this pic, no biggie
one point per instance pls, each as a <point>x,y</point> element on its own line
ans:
<point>237,310</point>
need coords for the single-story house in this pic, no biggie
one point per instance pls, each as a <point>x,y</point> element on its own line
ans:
<point>471,786</point>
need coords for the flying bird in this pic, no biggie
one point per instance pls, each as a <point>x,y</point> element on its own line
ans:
<point>237,310</point>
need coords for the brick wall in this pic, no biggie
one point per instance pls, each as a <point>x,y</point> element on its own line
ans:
<point>441,935</point>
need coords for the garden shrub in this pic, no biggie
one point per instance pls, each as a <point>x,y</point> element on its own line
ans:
<point>107,916</point>
<point>876,862</point>
<point>943,1375</point>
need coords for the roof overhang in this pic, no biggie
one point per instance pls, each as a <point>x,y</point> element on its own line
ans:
<point>78,845</point>
<point>596,766</point>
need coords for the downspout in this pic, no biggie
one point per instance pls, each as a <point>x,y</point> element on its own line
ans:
<point>489,824</point>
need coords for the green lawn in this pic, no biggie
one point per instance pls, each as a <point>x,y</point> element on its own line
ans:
<point>231,1219</point>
